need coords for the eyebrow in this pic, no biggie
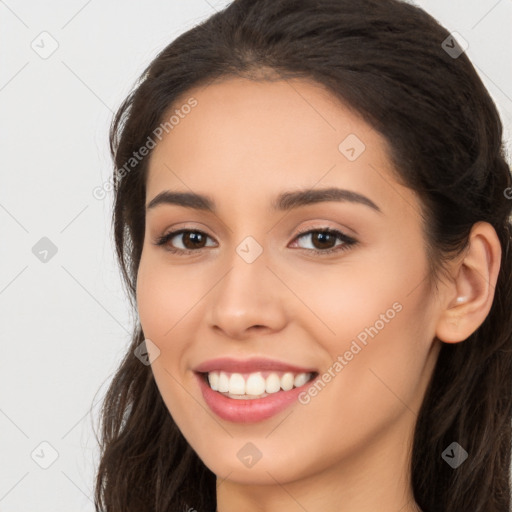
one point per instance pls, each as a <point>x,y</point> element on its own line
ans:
<point>285,201</point>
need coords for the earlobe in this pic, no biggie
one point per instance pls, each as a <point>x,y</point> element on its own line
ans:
<point>470,294</point>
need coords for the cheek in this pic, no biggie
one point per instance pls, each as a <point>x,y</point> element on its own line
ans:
<point>385,343</point>
<point>165,295</point>
<point>369,385</point>
<point>378,318</point>
<point>353,296</point>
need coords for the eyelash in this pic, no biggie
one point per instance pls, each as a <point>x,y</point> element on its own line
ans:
<point>348,241</point>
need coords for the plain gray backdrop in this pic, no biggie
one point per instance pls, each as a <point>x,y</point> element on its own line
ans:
<point>65,322</point>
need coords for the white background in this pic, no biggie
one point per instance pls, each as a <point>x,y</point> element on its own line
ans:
<point>65,324</point>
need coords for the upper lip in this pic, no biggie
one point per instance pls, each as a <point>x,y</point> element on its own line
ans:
<point>231,365</point>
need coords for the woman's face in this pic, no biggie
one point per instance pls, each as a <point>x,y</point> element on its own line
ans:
<point>359,319</point>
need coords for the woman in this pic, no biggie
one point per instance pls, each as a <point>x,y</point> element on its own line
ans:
<point>312,216</point>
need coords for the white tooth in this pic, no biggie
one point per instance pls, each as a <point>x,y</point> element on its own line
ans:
<point>272,383</point>
<point>255,384</point>
<point>301,379</point>
<point>223,383</point>
<point>237,384</point>
<point>287,381</point>
<point>213,379</point>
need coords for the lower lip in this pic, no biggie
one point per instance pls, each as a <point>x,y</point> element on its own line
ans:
<point>250,410</point>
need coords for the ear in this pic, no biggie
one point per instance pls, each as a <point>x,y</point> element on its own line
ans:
<point>468,298</point>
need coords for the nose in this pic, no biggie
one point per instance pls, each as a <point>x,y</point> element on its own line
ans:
<point>248,300</point>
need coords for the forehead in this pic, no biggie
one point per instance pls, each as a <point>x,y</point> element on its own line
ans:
<point>255,138</point>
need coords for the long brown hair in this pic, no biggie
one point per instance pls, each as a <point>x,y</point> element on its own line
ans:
<point>389,61</point>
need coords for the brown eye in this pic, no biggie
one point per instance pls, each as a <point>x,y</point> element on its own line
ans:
<point>324,240</point>
<point>192,240</point>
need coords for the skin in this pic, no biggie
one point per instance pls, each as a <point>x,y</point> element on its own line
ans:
<point>348,448</point>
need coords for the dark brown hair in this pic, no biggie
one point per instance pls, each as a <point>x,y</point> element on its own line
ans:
<point>386,60</point>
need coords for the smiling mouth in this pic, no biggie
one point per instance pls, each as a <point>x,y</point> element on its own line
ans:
<point>254,385</point>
